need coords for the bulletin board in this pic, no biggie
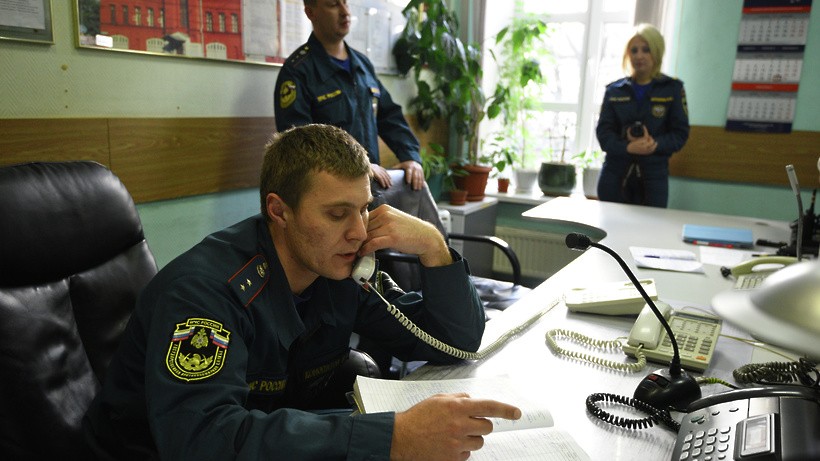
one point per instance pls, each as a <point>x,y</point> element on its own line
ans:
<point>26,20</point>
<point>248,31</point>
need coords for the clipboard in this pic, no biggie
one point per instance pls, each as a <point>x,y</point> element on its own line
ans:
<point>726,237</point>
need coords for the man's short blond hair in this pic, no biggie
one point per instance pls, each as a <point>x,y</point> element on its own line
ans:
<point>293,157</point>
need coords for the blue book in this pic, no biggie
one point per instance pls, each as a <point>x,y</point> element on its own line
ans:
<point>727,237</point>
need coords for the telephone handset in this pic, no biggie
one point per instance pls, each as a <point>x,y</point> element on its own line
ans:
<point>647,330</point>
<point>772,263</point>
<point>696,335</point>
<point>750,274</point>
<point>363,270</point>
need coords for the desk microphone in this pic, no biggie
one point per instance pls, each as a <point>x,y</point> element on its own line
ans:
<point>662,388</point>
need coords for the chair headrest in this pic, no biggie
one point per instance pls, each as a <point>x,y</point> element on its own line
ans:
<point>60,218</point>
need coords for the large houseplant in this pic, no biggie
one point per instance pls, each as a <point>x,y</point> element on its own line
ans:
<point>515,97</point>
<point>447,73</point>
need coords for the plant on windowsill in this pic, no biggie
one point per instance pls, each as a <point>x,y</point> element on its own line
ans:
<point>557,177</point>
<point>501,155</point>
<point>590,162</point>
<point>516,93</point>
<point>435,166</point>
<point>447,74</point>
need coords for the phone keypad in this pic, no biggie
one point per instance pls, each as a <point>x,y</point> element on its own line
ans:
<point>709,445</point>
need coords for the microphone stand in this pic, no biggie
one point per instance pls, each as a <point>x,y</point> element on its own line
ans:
<point>661,388</point>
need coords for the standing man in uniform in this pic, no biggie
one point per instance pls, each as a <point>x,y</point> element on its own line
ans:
<point>325,81</point>
<point>235,340</point>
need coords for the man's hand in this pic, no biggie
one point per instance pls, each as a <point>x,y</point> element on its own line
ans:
<point>381,176</point>
<point>446,427</point>
<point>388,227</point>
<point>413,173</point>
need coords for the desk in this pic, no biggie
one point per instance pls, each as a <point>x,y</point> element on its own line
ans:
<point>563,384</point>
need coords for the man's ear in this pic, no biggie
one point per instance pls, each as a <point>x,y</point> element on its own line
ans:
<point>309,12</point>
<point>277,209</point>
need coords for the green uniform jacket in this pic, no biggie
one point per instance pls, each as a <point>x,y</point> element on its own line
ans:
<point>220,359</point>
<point>311,88</point>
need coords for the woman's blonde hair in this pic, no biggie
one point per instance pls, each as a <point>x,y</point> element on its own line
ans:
<point>657,46</point>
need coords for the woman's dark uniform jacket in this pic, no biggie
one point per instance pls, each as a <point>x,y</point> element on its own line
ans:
<point>311,88</point>
<point>220,361</point>
<point>663,112</point>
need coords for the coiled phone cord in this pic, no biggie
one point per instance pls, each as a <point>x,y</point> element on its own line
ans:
<point>656,416</point>
<point>453,351</point>
<point>595,343</point>
<point>778,372</point>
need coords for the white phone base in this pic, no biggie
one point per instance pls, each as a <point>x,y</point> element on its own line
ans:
<point>619,298</point>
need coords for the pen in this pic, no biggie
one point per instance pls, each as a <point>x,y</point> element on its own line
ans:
<point>757,255</point>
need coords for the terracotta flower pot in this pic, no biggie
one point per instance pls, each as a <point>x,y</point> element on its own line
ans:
<point>474,182</point>
<point>458,197</point>
<point>503,184</point>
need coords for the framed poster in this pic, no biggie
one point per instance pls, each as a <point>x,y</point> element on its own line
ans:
<point>26,20</point>
<point>251,31</point>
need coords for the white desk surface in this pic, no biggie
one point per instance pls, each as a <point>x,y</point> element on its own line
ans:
<point>564,384</point>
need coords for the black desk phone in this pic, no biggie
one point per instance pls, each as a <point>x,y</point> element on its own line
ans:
<point>770,423</point>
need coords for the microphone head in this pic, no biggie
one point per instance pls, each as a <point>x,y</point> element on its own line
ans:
<point>577,241</point>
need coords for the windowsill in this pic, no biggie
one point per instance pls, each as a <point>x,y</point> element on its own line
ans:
<point>534,197</point>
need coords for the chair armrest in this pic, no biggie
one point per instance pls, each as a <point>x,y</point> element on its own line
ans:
<point>391,255</point>
<point>498,243</point>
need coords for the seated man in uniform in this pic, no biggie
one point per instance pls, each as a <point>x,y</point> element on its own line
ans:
<point>234,341</point>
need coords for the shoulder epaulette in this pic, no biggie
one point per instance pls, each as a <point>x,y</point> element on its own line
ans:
<point>297,56</point>
<point>249,280</point>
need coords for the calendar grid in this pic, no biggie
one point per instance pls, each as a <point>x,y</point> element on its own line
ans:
<point>768,64</point>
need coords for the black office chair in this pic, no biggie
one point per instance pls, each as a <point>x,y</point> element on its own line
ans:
<point>72,260</point>
<point>496,295</point>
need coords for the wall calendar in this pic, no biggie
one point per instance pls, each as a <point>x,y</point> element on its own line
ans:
<point>766,77</point>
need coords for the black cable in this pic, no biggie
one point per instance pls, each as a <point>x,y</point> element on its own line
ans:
<point>778,373</point>
<point>656,416</point>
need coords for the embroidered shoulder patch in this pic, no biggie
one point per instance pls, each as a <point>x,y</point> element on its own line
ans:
<point>287,94</point>
<point>198,349</point>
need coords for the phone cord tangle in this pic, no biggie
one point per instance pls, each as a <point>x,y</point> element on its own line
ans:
<point>656,416</point>
<point>777,372</point>
<point>455,352</point>
<point>595,343</point>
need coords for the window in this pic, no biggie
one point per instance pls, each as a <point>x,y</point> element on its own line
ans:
<point>150,17</point>
<point>586,41</point>
<point>137,16</point>
<point>113,13</point>
<point>125,14</point>
<point>222,22</point>
<point>209,22</point>
<point>235,23</point>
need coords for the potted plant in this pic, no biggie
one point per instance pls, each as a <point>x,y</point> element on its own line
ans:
<point>458,194</point>
<point>515,94</point>
<point>557,176</point>
<point>447,74</point>
<point>501,155</point>
<point>435,166</point>
<point>590,163</point>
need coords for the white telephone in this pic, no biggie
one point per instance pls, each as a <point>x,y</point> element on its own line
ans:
<point>696,335</point>
<point>750,274</point>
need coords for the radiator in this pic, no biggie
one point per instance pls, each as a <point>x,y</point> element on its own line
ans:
<point>540,254</point>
